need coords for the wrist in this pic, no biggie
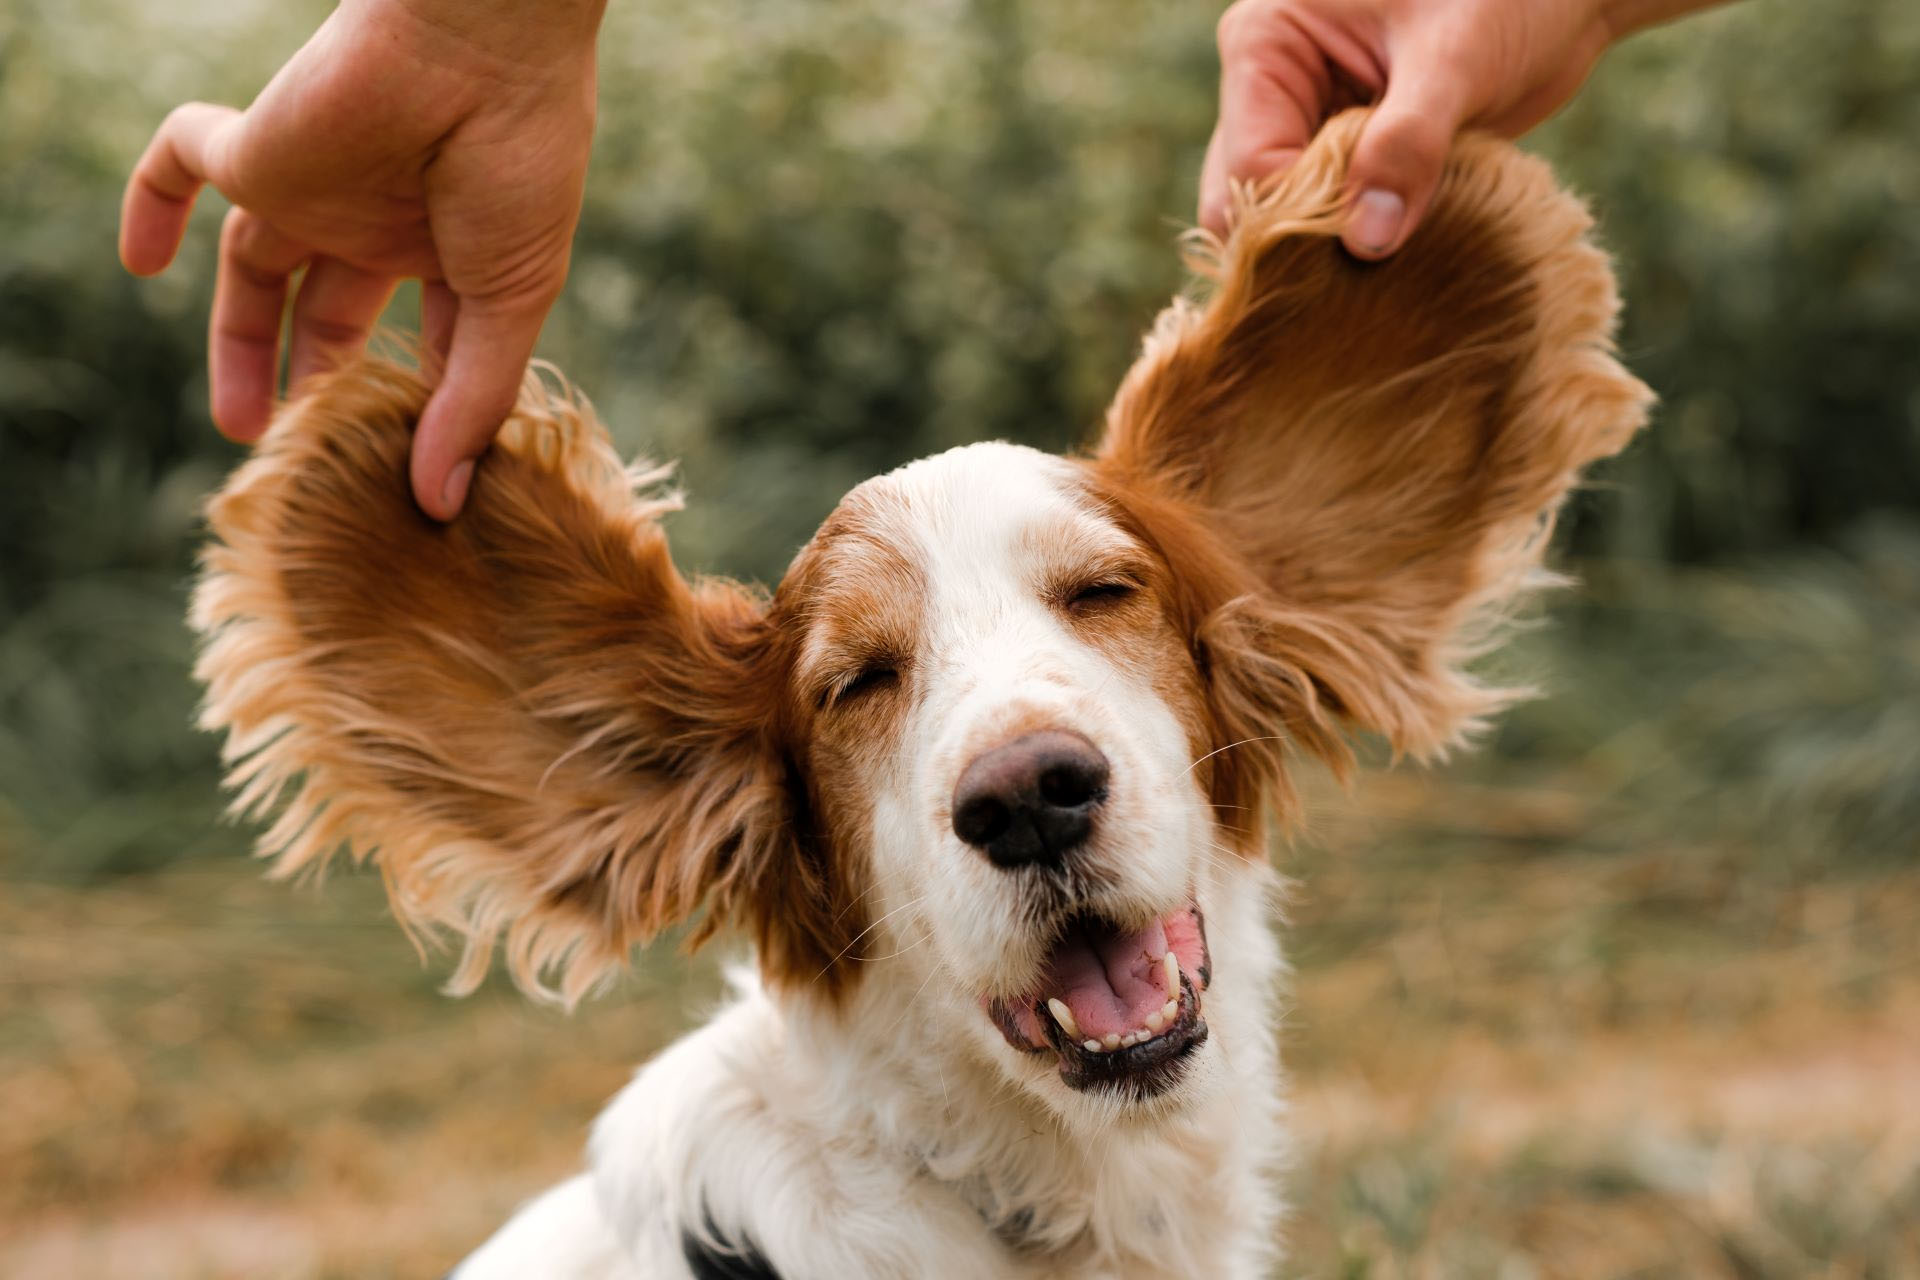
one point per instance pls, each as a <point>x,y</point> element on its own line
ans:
<point>507,32</point>
<point>1624,17</point>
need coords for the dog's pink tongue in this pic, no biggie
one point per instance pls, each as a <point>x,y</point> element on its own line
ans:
<point>1109,983</point>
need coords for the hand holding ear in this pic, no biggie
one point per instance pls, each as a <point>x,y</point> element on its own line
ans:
<point>427,139</point>
<point>1434,67</point>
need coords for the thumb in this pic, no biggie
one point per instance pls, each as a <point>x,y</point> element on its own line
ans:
<point>486,361</point>
<point>1401,155</point>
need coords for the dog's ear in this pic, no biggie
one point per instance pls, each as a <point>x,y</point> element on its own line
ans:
<point>1378,449</point>
<point>540,731</point>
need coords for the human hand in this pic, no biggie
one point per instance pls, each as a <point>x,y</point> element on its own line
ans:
<point>1434,66</point>
<point>440,139</point>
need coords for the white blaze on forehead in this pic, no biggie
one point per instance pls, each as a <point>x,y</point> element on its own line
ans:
<point>951,549</point>
<point>989,523</point>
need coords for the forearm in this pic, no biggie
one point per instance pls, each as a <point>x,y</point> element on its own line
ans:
<point>1624,17</point>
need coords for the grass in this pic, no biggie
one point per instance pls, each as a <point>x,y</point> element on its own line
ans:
<point>1513,1053</point>
<point>1518,1054</point>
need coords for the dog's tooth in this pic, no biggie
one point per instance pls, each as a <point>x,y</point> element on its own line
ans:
<point>1173,974</point>
<point>1111,1041</point>
<point>1170,1010</point>
<point>1064,1016</point>
<point>1156,1020</point>
<point>1091,1046</point>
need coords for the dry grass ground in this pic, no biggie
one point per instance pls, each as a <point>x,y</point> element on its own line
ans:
<point>1516,1053</point>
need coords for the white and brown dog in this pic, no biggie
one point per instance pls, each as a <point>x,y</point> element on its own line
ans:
<point>983,780</point>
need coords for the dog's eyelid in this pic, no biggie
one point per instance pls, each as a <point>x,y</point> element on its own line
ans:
<point>1100,589</point>
<point>871,676</point>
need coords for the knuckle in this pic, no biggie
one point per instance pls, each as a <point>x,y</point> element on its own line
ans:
<point>258,277</point>
<point>1242,23</point>
<point>1424,143</point>
<point>180,117</point>
<point>520,289</point>
<point>238,236</point>
<point>1410,142</point>
<point>328,332</point>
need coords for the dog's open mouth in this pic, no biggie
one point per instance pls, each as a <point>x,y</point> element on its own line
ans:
<point>1119,1006</point>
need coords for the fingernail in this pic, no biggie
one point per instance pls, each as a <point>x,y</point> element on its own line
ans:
<point>454,491</point>
<point>1375,222</point>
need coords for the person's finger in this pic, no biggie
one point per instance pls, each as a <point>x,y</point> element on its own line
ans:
<point>1275,85</point>
<point>243,346</point>
<point>477,389</point>
<point>333,313</point>
<point>1401,154</point>
<point>187,151</point>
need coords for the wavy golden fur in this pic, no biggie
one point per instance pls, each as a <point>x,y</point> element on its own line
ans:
<point>540,730</point>
<point>1373,452</point>
<point>545,736</point>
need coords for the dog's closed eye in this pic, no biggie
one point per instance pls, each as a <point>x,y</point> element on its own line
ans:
<point>874,677</point>
<point>1098,594</point>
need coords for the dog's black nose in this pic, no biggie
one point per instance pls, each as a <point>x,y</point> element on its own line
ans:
<point>1031,800</point>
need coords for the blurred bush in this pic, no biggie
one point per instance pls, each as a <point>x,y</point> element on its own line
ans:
<point>1770,712</point>
<point>825,237</point>
<point>1755,171</point>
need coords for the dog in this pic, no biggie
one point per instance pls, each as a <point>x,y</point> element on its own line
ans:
<point>987,782</point>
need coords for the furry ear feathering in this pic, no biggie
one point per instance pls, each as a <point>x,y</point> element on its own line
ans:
<point>1384,446</point>
<point>528,718</point>
<point>546,737</point>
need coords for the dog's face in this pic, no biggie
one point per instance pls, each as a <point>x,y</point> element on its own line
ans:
<point>1002,738</point>
<point>1002,726</point>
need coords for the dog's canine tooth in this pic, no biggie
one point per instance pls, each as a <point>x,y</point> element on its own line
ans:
<point>1170,1010</point>
<point>1064,1016</point>
<point>1173,974</point>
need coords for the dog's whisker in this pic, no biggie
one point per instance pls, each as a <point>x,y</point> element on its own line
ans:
<point>932,973</point>
<point>855,940</point>
<point>1259,737</point>
<point>922,939</point>
<point>854,902</point>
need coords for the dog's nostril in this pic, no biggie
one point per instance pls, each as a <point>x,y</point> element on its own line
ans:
<point>1031,800</point>
<point>1067,786</point>
<point>982,820</point>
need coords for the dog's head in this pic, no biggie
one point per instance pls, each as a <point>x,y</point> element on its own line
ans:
<point>1003,736</point>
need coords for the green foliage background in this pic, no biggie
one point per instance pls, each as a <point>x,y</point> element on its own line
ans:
<point>826,236</point>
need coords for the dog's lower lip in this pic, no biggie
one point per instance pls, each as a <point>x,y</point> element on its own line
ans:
<point>1144,1069</point>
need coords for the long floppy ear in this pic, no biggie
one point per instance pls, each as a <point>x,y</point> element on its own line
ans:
<point>539,730</point>
<point>1378,450</point>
